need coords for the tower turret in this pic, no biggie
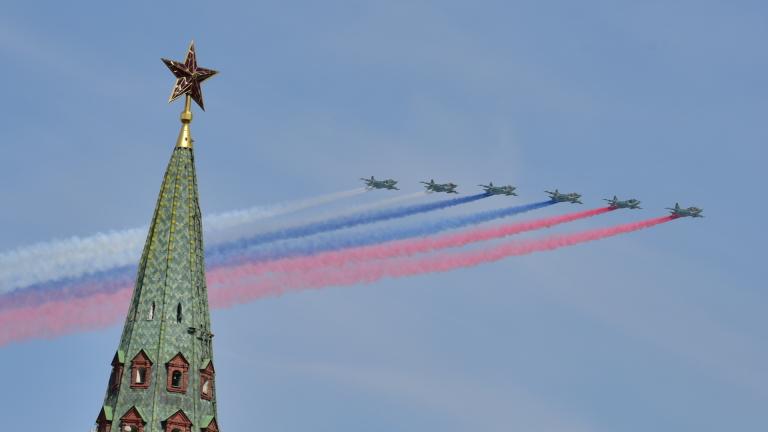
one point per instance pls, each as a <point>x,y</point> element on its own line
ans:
<point>163,378</point>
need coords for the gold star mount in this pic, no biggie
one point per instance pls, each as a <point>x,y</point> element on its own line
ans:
<point>188,77</point>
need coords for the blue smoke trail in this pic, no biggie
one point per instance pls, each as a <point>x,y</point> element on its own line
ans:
<point>310,246</point>
<point>236,252</point>
<point>342,222</point>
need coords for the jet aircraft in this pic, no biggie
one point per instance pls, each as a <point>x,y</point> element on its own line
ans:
<point>372,183</point>
<point>616,203</point>
<point>490,189</point>
<point>556,196</point>
<point>431,186</point>
<point>685,212</point>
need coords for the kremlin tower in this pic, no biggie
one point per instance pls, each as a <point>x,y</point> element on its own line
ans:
<point>163,375</point>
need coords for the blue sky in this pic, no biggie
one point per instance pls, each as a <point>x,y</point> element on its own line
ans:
<point>660,100</point>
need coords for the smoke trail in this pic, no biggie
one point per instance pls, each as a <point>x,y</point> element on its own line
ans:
<point>228,254</point>
<point>388,202</point>
<point>90,281</point>
<point>342,222</point>
<point>402,248</point>
<point>78,256</point>
<point>236,218</point>
<point>245,251</point>
<point>230,225</point>
<point>104,309</point>
<point>243,231</point>
<point>63,317</point>
<point>249,288</point>
<point>108,280</point>
<point>71,257</point>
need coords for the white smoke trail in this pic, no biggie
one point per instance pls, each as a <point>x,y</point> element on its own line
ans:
<point>384,202</point>
<point>232,225</point>
<point>77,256</point>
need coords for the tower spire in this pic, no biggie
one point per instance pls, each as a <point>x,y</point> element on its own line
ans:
<point>185,136</point>
<point>162,372</point>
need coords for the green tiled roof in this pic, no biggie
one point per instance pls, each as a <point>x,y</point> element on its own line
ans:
<point>141,413</point>
<point>169,298</point>
<point>149,357</point>
<point>206,421</point>
<point>107,412</point>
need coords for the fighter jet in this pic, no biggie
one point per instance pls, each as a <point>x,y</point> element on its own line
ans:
<point>685,212</point>
<point>372,183</point>
<point>616,203</point>
<point>490,189</point>
<point>556,196</point>
<point>431,186</point>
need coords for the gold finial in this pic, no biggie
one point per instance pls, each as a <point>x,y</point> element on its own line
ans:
<point>185,136</point>
<point>188,79</point>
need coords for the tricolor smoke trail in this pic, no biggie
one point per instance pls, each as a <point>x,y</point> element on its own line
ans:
<point>79,256</point>
<point>229,254</point>
<point>246,251</point>
<point>69,290</point>
<point>61,317</point>
<point>231,225</point>
<point>65,264</point>
<point>369,272</point>
<point>401,248</point>
<point>350,221</point>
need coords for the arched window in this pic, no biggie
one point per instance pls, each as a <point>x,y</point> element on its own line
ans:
<point>151,313</point>
<point>178,374</point>
<point>178,313</point>
<point>206,380</point>
<point>117,371</point>
<point>176,379</point>
<point>141,368</point>
<point>113,380</point>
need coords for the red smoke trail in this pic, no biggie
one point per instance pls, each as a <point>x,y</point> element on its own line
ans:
<point>372,271</point>
<point>399,248</point>
<point>102,310</point>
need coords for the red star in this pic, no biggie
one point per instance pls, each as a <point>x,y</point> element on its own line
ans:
<point>189,77</point>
